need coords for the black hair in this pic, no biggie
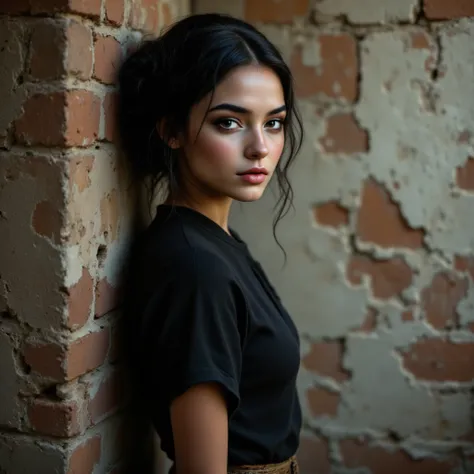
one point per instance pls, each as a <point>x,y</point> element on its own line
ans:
<point>164,77</point>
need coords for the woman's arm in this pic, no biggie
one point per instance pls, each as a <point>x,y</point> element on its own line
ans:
<point>199,421</point>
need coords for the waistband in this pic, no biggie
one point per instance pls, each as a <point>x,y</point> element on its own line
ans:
<point>290,466</point>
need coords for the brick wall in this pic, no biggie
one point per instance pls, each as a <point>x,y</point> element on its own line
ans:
<point>65,221</point>
<point>380,272</point>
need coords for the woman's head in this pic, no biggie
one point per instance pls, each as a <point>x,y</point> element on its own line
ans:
<point>207,101</point>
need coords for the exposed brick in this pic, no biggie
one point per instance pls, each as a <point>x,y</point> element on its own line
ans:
<point>145,15</point>
<point>89,8</point>
<point>87,353</point>
<point>381,222</point>
<point>80,300</point>
<point>388,278</point>
<point>313,455</point>
<point>79,54</point>
<point>109,215</point>
<point>106,298</point>
<point>107,399</point>
<point>420,40</point>
<point>343,135</point>
<point>331,214</point>
<point>45,359</point>
<point>439,360</point>
<point>85,456</point>
<point>444,10</point>
<point>465,175</point>
<point>110,116</point>
<point>43,120</point>
<point>47,221</point>
<point>465,264</point>
<point>59,119</point>
<point>325,358</point>
<point>114,11</point>
<point>108,55</point>
<point>82,117</point>
<point>408,315</point>
<point>336,76</point>
<point>275,11</point>
<point>322,402</point>
<point>79,172</point>
<point>60,419</point>
<point>48,43</point>
<point>63,363</point>
<point>382,461</point>
<point>441,298</point>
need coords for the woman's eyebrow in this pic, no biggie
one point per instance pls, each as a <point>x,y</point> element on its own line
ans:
<point>242,110</point>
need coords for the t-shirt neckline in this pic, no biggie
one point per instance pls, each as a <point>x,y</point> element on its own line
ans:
<point>204,222</point>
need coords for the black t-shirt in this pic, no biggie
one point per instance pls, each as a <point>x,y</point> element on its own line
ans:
<point>207,313</point>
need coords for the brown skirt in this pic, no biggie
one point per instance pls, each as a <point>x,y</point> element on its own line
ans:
<point>289,466</point>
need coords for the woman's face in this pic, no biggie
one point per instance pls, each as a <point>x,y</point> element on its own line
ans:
<point>231,151</point>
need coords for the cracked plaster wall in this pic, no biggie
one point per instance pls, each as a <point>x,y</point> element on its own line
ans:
<point>380,243</point>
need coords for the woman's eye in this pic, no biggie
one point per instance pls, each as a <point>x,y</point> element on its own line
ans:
<point>275,124</point>
<point>227,124</point>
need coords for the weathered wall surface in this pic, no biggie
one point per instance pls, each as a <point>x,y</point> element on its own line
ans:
<point>380,272</point>
<point>65,220</point>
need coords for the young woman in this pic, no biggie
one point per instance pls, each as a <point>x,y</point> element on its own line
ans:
<point>207,110</point>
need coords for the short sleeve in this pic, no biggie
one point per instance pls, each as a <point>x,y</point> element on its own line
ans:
<point>202,331</point>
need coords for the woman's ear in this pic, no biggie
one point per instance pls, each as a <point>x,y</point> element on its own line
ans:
<point>172,142</point>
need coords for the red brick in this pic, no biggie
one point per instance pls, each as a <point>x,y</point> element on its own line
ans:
<point>313,455</point>
<point>61,419</point>
<point>379,460</point>
<point>110,116</point>
<point>85,456</point>
<point>107,399</point>
<point>79,172</point>
<point>465,264</point>
<point>331,214</point>
<point>106,298</point>
<point>80,300</point>
<point>343,135</point>
<point>47,221</point>
<point>145,15</point>
<point>87,353</point>
<point>114,11</point>
<point>465,175</point>
<point>79,57</point>
<point>381,222</point>
<point>421,40</point>
<point>59,119</point>
<point>441,298</point>
<point>48,44</point>
<point>61,362</point>
<point>275,11</point>
<point>82,118</point>
<point>46,359</point>
<point>322,402</point>
<point>388,278</point>
<point>43,120</point>
<point>108,55</point>
<point>336,77</point>
<point>89,8</point>
<point>325,358</point>
<point>446,10</point>
<point>439,360</point>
